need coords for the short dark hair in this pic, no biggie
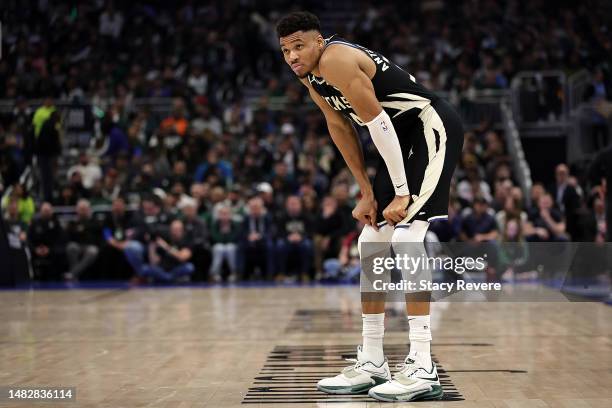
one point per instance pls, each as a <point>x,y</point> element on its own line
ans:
<point>297,21</point>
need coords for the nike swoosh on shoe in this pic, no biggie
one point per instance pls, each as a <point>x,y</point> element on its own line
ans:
<point>429,379</point>
<point>377,373</point>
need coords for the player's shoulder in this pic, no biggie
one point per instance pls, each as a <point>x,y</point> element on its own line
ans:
<point>337,51</point>
<point>337,56</point>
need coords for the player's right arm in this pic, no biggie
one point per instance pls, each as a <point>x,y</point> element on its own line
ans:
<point>346,139</point>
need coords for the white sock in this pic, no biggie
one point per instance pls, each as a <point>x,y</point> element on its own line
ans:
<point>420,339</point>
<point>373,333</point>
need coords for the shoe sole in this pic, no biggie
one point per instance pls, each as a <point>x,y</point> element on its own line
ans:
<point>358,389</point>
<point>436,393</point>
<point>346,391</point>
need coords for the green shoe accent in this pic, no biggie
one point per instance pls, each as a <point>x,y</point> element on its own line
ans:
<point>436,393</point>
<point>355,389</point>
<point>378,380</point>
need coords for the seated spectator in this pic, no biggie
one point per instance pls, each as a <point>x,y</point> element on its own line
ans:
<point>548,222</point>
<point>502,190</point>
<point>328,225</point>
<point>178,175</point>
<point>118,230</point>
<point>205,120</point>
<point>96,196</point>
<point>236,202</point>
<point>340,191</point>
<point>47,243</point>
<point>146,180</point>
<point>257,245</point>
<point>566,198</point>
<point>295,239</point>
<point>502,172</point>
<point>111,188</point>
<point>270,200</point>
<point>216,198</point>
<point>513,249</point>
<point>448,230</point>
<point>195,228</point>
<point>153,220</point>
<point>176,124</point>
<point>198,236</point>
<point>198,79</point>
<point>282,181</point>
<point>347,267</point>
<point>473,186</point>
<point>76,185</point>
<point>480,229</point>
<point>25,203</point>
<point>537,190</point>
<point>599,210</point>
<point>90,172</point>
<point>169,260</point>
<point>512,208</point>
<point>17,229</point>
<point>67,198</point>
<point>479,225</point>
<point>214,166</point>
<point>224,237</point>
<point>84,237</point>
<point>151,223</point>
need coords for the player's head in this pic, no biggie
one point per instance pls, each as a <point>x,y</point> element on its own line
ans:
<point>301,42</point>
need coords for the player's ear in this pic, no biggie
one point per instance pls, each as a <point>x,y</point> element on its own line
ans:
<point>320,41</point>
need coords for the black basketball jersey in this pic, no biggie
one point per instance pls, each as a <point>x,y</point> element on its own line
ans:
<point>396,90</point>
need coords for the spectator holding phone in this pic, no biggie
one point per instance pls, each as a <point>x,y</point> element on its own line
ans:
<point>169,260</point>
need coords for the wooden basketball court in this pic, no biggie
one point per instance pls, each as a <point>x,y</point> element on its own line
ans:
<point>268,346</point>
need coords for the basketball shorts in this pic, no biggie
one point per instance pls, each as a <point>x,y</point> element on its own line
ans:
<point>430,158</point>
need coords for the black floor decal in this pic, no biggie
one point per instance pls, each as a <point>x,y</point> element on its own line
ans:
<point>291,373</point>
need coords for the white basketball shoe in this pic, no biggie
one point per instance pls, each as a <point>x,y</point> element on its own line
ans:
<point>358,378</point>
<point>412,382</point>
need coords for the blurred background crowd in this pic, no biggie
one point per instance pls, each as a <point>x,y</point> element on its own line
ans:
<point>155,148</point>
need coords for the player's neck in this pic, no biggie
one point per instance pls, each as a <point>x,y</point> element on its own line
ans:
<point>315,71</point>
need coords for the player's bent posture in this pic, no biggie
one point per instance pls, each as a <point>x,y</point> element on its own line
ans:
<point>419,137</point>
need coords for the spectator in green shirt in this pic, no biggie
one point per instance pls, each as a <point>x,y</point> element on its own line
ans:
<point>25,203</point>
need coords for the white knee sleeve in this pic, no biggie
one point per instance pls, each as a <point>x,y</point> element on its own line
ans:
<point>369,238</point>
<point>415,232</point>
<point>409,244</point>
<point>373,244</point>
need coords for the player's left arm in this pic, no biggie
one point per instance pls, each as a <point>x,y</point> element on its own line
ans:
<point>341,69</point>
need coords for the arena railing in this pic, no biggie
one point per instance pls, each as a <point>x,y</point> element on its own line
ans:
<point>576,86</point>
<point>515,147</point>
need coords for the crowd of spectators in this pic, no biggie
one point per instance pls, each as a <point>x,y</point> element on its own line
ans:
<point>222,189</point>
<point>108,50</point>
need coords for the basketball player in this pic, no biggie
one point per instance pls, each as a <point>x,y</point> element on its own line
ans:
<point>419,137</point>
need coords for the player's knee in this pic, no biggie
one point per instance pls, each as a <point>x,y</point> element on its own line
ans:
<point>401,235</point>
<point>370,238</point>
<point>409,240</point>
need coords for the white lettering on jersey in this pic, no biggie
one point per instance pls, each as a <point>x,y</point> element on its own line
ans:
<point>379,59</point>
<point>346,102</point>
<point>336,102</point>
<point>340,103</point>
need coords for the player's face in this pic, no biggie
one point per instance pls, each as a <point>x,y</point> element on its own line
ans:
<point>302,51</point>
